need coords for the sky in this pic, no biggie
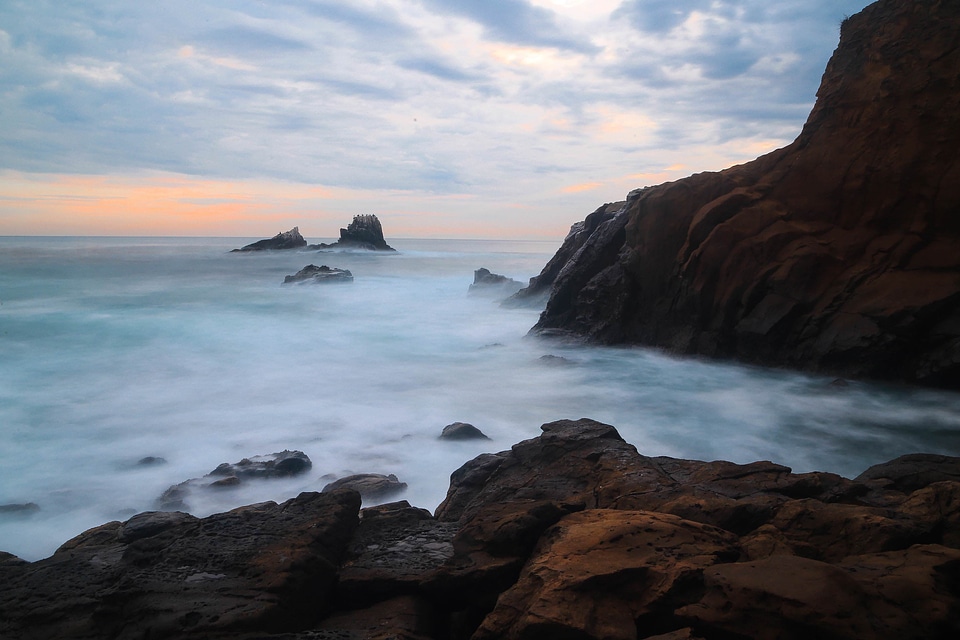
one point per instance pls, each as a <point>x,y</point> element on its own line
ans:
<point>445,118</point>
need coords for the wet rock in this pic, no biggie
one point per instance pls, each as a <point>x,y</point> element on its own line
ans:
<point>372,486</point>
<point>275,465</point>
<point>462,431</point>
<point>493,284</point>
<point>364,233</point>
<point>151,461</point>
<point>319,275</point>
<point>284,240</point>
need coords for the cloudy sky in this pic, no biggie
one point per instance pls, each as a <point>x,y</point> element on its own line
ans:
<point>446,118</point>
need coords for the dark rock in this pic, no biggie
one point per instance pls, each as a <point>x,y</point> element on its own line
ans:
<point>284,240</point>
<point>150,461</point>
<point>493,284</point>
<point>317,275</point>
<point>462,431</point>
<point>554,361</point>
<point>268,568</point>
<point>275,465</point>
<point>912,471</point>
<point>836,253</point>
<point>372,486</point>
<point>365,233</point>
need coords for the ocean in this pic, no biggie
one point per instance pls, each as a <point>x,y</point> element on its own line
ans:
<point>117,349</point>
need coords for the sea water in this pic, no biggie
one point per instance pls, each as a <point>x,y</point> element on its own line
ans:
<point>116,349</point>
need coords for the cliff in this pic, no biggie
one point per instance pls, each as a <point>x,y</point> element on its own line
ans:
<point>838,253</point>
<point>573,534</point>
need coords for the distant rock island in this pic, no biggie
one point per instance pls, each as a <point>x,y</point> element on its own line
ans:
<point>488,283</point>
<point>839,253</point>
<point>284,240</point>
<point>364,233</point>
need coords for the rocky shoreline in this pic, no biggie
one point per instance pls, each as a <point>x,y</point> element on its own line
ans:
<point>573,534</point>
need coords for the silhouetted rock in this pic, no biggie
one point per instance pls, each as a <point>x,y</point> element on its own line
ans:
<point>493,284</point>
<point>462,431</point>
<point>319,275</point>
<point>364,233</point>
<point>837,253</point>
<point>284,240</point>
<point>19,509</point>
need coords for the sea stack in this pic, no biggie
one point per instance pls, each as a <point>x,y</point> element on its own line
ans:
<point>838,253</point>
<point>364,233</point>
<point>284,240</point>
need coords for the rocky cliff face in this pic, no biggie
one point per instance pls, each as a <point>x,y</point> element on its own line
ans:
<point>838,253</point>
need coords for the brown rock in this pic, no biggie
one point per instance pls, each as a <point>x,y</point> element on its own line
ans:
<point>836,253</point>
<point>608,574</point>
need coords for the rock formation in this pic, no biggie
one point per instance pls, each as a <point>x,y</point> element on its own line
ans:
<point>462,431</point>
<point>572,534</point>
<point>284,240</point>
<point>319,275</point>
<point>838,253</point>
<point>364,232</point>
<point>493,284</point>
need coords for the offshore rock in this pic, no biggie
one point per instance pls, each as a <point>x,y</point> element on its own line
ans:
<point>365,232</point>
<point>284,240</point>
<point>462,431</point>
<point>572,534</point>
<point>493,284</point>
<point>319,275</point>
<point>837,253</point>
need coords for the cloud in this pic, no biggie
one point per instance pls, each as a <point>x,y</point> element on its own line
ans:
<point>504,103</point>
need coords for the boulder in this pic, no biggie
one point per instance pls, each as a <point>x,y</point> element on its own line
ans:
<point>372,486</point>
<point>284,240</point>
<point>364,233</point>
<point>835,254</point>
<point>462,431</point>
<point>319,275</point>
<point>493,284</point>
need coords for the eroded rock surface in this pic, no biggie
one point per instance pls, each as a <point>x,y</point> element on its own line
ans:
<point>365,232</point>
<point>837,253</point>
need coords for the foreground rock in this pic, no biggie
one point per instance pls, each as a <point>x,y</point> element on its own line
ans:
<point>493,284</point>
<point>365,233</point>
<point>285,240</point>
<point>319,275</point>
<point>370,486</point>
<point>837,253</point>
<point>573,534</point>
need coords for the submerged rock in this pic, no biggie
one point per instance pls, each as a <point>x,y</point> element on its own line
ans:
<point>284,240</point>
<point>837,253</point>
<point>319,275</point>
<point>493,284</point>
<point>365,233</point>
<point>19,509</point>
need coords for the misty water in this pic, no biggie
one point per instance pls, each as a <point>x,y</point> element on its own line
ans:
<point>115,349</point>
